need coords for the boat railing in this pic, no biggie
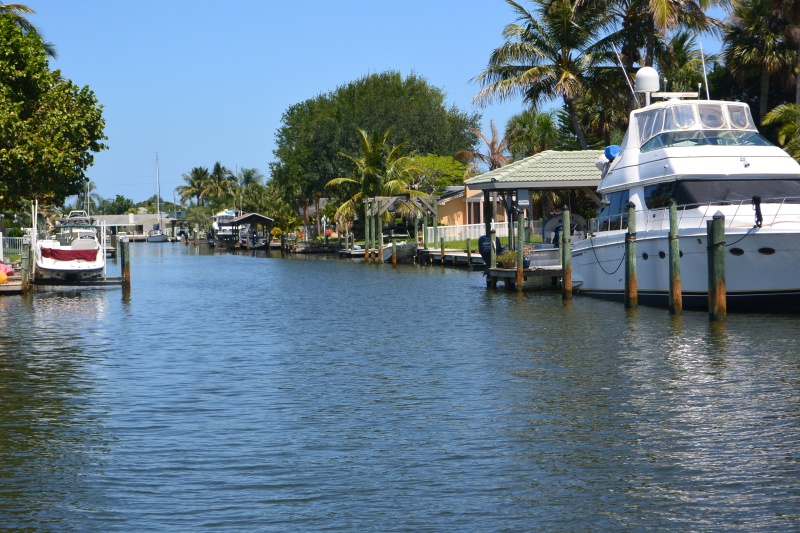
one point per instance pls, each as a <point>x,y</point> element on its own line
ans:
<point>784,209</point>
<point>609,223</point>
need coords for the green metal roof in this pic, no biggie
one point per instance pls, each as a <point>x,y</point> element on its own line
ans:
<point>546,170</point>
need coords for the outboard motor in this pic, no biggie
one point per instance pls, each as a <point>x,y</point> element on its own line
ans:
<point>485,248</point>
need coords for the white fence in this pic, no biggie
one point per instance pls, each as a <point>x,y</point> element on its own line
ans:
<point>473,231</point>
<point>10,245</point>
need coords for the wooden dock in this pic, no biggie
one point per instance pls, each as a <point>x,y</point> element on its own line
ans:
<point>535,277</point>
<point>101,282</point>
<point>454,258</point>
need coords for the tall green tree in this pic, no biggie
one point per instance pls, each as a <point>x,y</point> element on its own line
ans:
<point>315,131</point>
<point>220,187</point>
<point>17,13</point>
<point>754,44</point>
<point>546,55</point>
<point>380,169</point>
<point>194,185</point>
<point>529,133</point>
<point>49,127</point>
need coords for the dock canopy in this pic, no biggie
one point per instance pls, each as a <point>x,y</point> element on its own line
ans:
<point>550,169</point>
<point>250,218</point>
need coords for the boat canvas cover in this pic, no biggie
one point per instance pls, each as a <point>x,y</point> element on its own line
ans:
<point>69,255</point>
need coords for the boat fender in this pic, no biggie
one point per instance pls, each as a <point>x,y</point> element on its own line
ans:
<point>757,207</point>
<point>611,152</point>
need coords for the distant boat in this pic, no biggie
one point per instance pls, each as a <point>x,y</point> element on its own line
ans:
<point>71,252</point>
<point>157,234</point>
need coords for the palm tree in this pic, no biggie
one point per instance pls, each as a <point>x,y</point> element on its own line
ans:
<point>495,155</point>
<point>787,118</point>
<point>754,44</point>
<point>788,12</point>
<point>381,170</point>
<point>220,184</point>
<point>17,12</point>
<point>247,176</point>
<point>529,133</point>
<point>195,185</point>
<point>681,63</point>
<point>545,56</point>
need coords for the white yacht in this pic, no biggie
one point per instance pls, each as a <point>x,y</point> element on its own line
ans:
<point>709,157</point>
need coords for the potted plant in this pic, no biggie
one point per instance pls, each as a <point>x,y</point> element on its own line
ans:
<point>507,259</point>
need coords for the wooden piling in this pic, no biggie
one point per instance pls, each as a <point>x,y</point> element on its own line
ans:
<point>26,268</point>
<point>675,294</point>
<point>394,249</point>
<point>566,257</point>
<point>441,256</point>
<point>379,237</point>
<point>469,253</point>
<point>717,297</point>
<point>520,255</point>
<point>125,252</point>
<point>367,231</point>
<point>631,287</point>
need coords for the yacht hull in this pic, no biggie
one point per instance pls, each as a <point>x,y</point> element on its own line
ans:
<point>760,272</point>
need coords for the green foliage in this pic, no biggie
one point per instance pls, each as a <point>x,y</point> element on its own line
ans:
<point>787,119</point>
<point>119,206</point>
<point>49,127</point>
<point>315,131</point>
<point>435,172</point>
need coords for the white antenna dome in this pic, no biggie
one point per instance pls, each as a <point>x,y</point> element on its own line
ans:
<point>647,80</point>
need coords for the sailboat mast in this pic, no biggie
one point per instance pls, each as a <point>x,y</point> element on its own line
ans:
<point>158,196</point>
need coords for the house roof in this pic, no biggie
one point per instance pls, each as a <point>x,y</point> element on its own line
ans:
<point>546,170</point>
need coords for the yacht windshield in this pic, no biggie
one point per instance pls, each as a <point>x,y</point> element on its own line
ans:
<point>717,122</point>
<point>705,138</point>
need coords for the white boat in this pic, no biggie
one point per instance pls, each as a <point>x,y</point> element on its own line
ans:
<point>221,227</point>
<point>405,251</point>
<point>249,239</point>
<point>157,233</point>
<point>709,157</point>
<point>72,251</point>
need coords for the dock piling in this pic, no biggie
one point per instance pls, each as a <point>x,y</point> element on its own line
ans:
<point>125,253</point>
<point>520,257</point>
<point>675,294</point>
<point>717,302</point>
<point>631,287</point>
<point>566,257</point>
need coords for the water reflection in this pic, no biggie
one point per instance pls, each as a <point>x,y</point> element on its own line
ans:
<point>243,392</point>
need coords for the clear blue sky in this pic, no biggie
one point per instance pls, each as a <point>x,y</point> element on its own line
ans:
<point>201,81</point>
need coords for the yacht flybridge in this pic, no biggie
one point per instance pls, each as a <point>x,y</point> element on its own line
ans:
<point>708,156</point>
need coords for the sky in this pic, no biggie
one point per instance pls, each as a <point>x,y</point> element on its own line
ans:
<point>195,82</point>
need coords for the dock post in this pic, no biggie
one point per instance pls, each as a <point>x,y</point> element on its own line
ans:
<point>379,237</point>
<point>441,254</point>
<point>717,302</point>
<point>520,229</point>
<point>425,232</point>
<point>394,248</point>
<point>367,232</point>
<point>26,268</point>
<point>469,254</point>
<point>675,294</point>
<point>631,288</point>
<point>126,264</point>
<point>566,256</point>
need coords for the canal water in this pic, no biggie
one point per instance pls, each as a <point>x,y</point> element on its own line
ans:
<point>244,393</point>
